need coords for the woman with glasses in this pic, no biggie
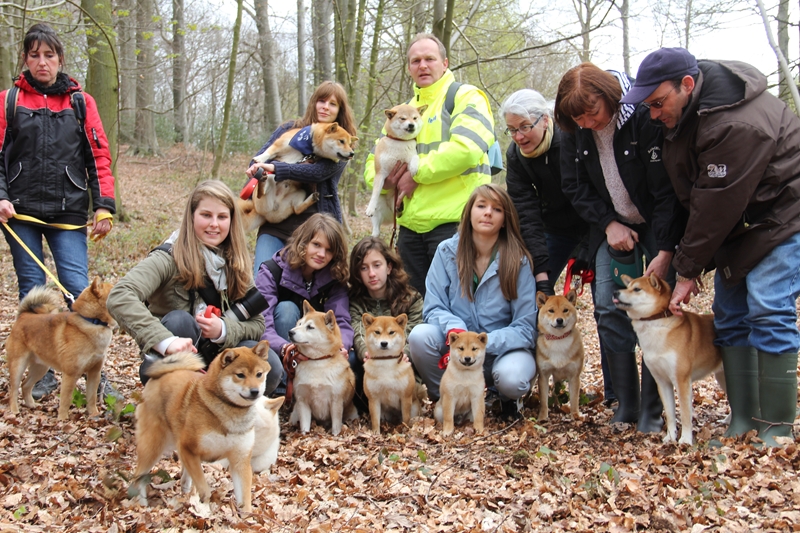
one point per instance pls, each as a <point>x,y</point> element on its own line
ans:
<point>611,170</point>
<point>551,228</point>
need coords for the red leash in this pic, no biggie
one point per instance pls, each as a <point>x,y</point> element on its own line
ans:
<point>584,275</point>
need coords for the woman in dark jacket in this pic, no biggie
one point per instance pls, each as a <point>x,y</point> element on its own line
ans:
<point>328,104</point>
<point>613,174</point>
<point>551,228</point>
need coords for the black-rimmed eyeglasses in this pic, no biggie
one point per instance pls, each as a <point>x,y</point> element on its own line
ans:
<point>524,129</point>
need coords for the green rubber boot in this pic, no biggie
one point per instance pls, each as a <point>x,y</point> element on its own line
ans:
<point>740,364</point>
<point>777,382</point>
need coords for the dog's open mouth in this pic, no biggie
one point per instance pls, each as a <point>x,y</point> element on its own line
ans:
<point>620,303</point>
<point>343,156</point>
<point>468,362</point>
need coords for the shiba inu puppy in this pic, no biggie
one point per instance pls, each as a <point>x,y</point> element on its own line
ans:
<point>205,417</point>
<point>677,349</point>
<point>323,383</point>
<point>274,202</point>
<point>72,342</point>
<point>462,388</point>
<point>403,123</point>
<point>388,377</point>
<point>559,348</point>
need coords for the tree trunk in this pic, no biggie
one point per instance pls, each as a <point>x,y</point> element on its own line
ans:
<point>447,30</point>
<point>302,82</point>
<point>226,110</point>
<point>624,11</point>
<point>102,78</point>
<point>8,62</point>
<point>687,24</point>
<point>267,47</point>
<point>421,12</point>
<point>781,58</point>
<point>126,42</point>
<point>783,43</point>
<point>145,141</point>
<point>321,29</point>
<point>179,70</point>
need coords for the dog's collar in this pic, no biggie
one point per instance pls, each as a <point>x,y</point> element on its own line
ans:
<point>663,314</point>
<point>557,337</point>
<point>398,357</point>
<point>392,137</point>
<point>95,321</point>
<point>291,358</point>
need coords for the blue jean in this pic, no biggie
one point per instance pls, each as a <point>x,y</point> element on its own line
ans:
<point>286,316</point>
<point>511,373</point>
<point>613,325</point>
<point>69,251</point>
<point>266,246</point>
<point>760,311</point>
<point>559,248</point>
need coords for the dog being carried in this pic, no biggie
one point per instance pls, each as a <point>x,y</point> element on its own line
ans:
<point>678,349</point>
<point>72,342</point>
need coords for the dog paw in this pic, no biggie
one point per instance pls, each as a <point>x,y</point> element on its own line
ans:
<point>686,439</point>
<point>370,210</point>
<point>668,438</point>
<point>315,196</point>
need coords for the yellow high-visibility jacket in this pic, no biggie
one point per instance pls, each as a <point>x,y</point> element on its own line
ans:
<point>452,155</point>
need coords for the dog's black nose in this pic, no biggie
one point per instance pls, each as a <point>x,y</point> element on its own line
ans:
<point>384,344</point>
<point>560,321</point>
<point>616,294</point>
<point>291,335</point>
<point>255,393</point>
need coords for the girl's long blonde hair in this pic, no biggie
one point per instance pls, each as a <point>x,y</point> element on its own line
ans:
<point>294,253</point>
<point>510,246</point>
<point>187,251</point>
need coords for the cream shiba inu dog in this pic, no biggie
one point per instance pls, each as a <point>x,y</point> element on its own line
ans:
<point>677,349</point>
<point>462,388</point>
<point>267,434</point>
<point>205,417</point>
<point>323,382</point>
<point>388,377</point>
<point>403,123</point>
<point>273,201</point>
<point>559,349</point>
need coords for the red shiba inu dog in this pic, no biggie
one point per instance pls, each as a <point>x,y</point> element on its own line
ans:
<point>677,349</point>
<point>462,388</point>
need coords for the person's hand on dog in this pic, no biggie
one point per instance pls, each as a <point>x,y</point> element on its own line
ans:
<point>211,327</point>
<point>391,180</point>
<point>682,294</point>
<point>101,227</point>
<point>181,344</point>
<point>545,286</point>
<point>268,168</point>
<point>621,237</point>
<point>660,264</point>
<point>7,211</point>
<point>405,188</point>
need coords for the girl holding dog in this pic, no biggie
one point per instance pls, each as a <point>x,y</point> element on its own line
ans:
<point>328,104</point>
<point>165,302</point>
<point>312,266</point>
<point>379,286</point>
<point>611,170</point>
<point>482,280</point>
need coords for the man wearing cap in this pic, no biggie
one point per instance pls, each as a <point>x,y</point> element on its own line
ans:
<point>732,151</point>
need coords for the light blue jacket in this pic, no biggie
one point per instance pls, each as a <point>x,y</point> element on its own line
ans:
<point>511,325</point>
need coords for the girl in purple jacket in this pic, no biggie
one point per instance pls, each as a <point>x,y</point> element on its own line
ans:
<point>312,266</point>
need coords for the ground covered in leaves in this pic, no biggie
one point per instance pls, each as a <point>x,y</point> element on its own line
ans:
<point>562,476</point>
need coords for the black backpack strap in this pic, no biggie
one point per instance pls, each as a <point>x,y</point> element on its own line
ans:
<point>450,98</point>
<point>11,108</point>
<point>286,295</point>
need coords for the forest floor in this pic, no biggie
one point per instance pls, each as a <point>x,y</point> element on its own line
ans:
<point>563,475</point>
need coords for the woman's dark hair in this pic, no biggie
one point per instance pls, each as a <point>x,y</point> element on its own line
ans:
<point>42,33</point>
<point>580,89</point>
<point>399,293</point>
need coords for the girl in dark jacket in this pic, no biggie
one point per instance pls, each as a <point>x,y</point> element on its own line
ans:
<point>328,104</point>
<point>551,227</point>
<point>613,174</point>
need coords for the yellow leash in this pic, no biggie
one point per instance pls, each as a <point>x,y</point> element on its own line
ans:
<point>26,218</point>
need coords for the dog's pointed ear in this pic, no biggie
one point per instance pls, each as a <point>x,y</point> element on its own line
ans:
<point>353,138</point>
<point>572,296</point>
<point>332,127</point>
<point>402,320</point>
<point>390,113</point>
<point>626,279</point>
<point>97,285</point>
<point>452,338</point>
<point>422,109</point>
<point>262,350</point>
<point>227,357</point>
<point>307,307</point>
<point>483,338</point>
<point>273,404</point>
<point>367,319</point>
<point>541,298</point>
<point>330,319</point>
<point>655,281</point>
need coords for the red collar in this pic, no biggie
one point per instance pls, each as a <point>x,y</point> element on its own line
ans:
<point>398,357</point>
<point>392,137</point>
<point>557,337</point>
<point>663,314</point>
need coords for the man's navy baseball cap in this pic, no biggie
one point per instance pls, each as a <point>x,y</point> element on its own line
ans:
<point>659,66</point>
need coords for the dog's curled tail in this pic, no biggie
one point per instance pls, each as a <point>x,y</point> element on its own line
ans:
<point>172,363</point>
<point>421,392</point>
<point>40,300</point>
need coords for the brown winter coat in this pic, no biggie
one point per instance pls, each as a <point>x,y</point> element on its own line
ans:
<point>734,161</point>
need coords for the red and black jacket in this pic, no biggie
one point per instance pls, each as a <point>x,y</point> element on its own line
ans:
<point>52,165</point>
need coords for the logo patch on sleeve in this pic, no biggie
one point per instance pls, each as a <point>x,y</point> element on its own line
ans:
<point>717,171</point>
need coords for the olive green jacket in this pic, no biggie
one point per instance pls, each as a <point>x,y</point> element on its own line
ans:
<point>380,308</point>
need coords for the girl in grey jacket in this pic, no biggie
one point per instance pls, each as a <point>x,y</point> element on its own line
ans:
<point>482,280</point>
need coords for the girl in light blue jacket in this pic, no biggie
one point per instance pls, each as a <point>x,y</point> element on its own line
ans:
<point>481,280</point>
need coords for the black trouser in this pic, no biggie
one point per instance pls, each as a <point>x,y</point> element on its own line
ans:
<point>417,251</point>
